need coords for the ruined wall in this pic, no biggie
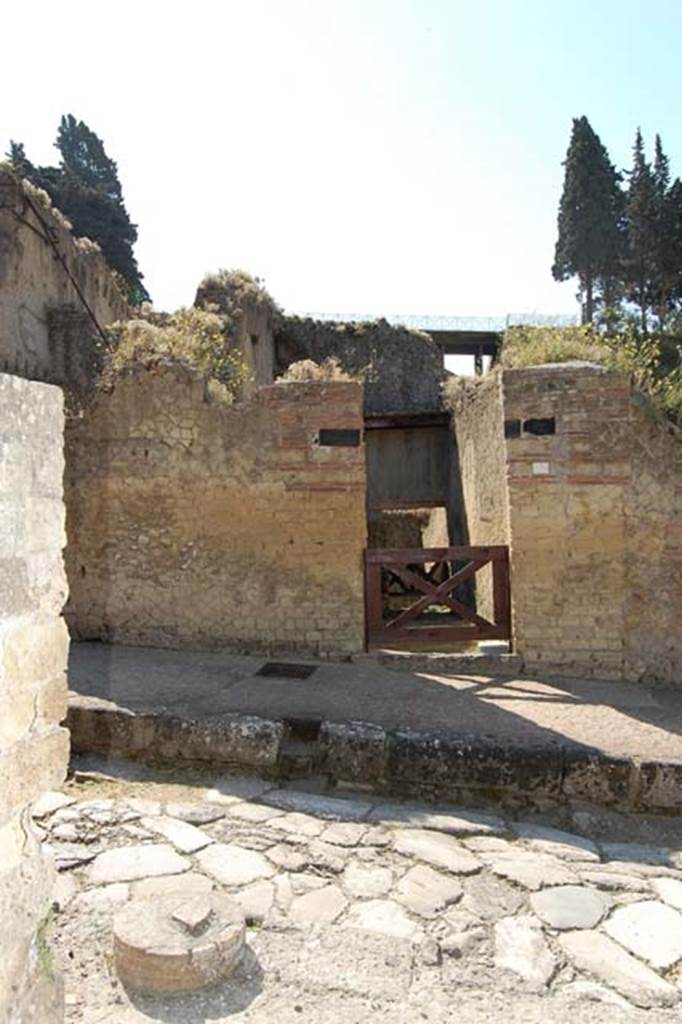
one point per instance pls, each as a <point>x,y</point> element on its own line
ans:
<point>33,652</point>
<point>194,523</point>
<point>477,422</point>
<point>251,317</point>
<point>593,482</point>
<point>257,344</point>
<point>34,284</point>
<point>402,369</point>
<point>653,536</point>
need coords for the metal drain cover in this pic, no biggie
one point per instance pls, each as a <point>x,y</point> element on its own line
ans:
<point>286,670</point>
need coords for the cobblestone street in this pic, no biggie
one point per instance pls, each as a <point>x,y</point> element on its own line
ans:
<point>359,910</point>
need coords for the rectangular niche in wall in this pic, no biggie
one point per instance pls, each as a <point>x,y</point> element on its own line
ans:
<point>339,438</point>
<point>539,427</point>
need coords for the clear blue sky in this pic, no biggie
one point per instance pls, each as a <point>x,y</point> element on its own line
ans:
<point>378,156</point>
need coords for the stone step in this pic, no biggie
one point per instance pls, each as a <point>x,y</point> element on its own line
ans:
<point>501,665</point>
<point>296,758</point>
<point>444,764</point>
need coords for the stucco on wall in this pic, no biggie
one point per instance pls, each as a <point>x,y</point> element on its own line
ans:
<point>33,653</point>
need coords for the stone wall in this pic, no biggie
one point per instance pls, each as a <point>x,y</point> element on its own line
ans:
<point>194,523</point>
<point>256,342</point>
<point>477,418</point>
<point>591,479</point>
<point>653,537</point>
<point>252,315</point>
<point>402,369</point>
<point>34,284</point>
<point>33,653</point>
<point>567,517</point>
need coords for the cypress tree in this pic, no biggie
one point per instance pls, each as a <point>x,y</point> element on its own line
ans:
<point>675,229</point>
<point>642,211</point>
<point>589,223</point>
<point>86,188</point>
<point>85,159</point>
<point>667,267</point>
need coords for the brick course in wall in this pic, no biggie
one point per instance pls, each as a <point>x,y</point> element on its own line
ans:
<point>195,523</point>
<point>33,655</point>
<point>592,512</point>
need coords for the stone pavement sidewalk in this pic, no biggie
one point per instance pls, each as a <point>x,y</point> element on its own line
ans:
<point>369,910</point>
<point>430,732</point>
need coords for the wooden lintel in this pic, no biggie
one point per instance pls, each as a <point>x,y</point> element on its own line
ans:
<point>393,421</point>
<point>389,505</point>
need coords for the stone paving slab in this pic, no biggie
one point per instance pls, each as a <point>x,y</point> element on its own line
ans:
<point>399,732</point>
<point>425,925</point>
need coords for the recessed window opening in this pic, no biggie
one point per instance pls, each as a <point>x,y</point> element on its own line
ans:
<point>338,438</point>
<point>540,427</point>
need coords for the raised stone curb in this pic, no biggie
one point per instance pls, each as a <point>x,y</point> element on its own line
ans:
<point>440,765</point>
<point>102,727</point>
<point>352,751</point>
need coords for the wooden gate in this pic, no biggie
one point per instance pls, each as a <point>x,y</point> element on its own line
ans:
<point>426,594</point>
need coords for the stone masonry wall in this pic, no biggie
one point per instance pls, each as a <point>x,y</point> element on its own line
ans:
<point>594,517</point>
<point>402,369</point>
<point>653,536</point>
<point>195,523</point>
<point>256,343</point>
<point>477,417</point>
<point>33,653</point>
<point>34,285</point>
<point>567,495</point>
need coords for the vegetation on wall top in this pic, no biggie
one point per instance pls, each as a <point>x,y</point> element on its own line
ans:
<point>233,293</point>
<point>194,337</point>
<point>652,363</point>
<point>307,370</point>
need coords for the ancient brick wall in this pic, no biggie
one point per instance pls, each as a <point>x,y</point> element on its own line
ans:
<point>195,523</point>
<point>567,517</point>
<point>33,653</point>
<point>590,478</point>
<point>34,285</point>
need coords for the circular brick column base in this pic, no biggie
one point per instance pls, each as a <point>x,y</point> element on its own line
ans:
<point>178,943</point>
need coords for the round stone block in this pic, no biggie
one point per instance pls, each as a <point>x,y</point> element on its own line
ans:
<point>178,943</point>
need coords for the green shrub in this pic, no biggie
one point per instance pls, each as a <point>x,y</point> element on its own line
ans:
<point>307,370</point>
<point>231,293</point>
<point>653,364</point>
<point>191,336</point>
<point>535,346</point>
